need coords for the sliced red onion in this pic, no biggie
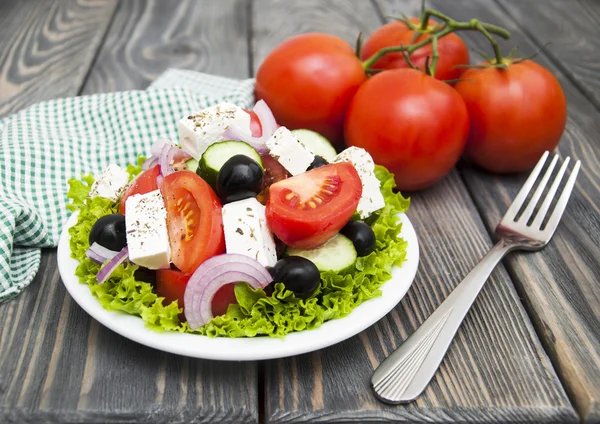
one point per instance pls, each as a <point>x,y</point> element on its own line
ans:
<point>245,268</point>
<point>107,270</point>
<point>100,254</point>
<point>169,156</point>
<point>159,180</point>
<point>158,145</point>
<point>267,123</point>
<point>215,284</point>
<point>149,163</point>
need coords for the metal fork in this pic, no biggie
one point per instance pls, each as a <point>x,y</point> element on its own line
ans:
<point>407,371</point>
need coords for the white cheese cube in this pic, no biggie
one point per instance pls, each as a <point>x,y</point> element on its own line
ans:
<point>289,152</point>
<point>371,199</point>
<point>246,231</point>
<point>111,183</point>
<point>146,226</point>
<point>199,130</point>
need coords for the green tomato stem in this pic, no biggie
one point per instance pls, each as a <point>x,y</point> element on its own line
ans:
<point>449,26</point>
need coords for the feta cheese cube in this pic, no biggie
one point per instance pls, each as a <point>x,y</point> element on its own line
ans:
<point>289,152</point>
<point>111,183</point>
<point>146,226</point>
<point>199,130</point>
<point>371,199</point>
<point>246,231</point>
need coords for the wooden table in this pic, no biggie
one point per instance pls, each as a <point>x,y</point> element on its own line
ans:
<point>529,351</point>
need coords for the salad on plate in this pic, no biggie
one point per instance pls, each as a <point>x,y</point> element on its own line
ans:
<point>243,228</point>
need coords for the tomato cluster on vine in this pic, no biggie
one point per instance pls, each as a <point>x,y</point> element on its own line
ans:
<point>409,96</point>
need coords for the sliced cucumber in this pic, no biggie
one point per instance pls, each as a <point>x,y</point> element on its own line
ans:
<point>218,153</point>
<point>316,143</point>
<point>191,165</point>
<point>337,254</point>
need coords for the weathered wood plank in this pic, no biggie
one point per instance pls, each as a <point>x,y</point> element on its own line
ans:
<point>47,48</point>
<point>573,30</point>
<point>59,365</point>
<point>496,371</point>
<point>560,285</point>
<point>155,35</point>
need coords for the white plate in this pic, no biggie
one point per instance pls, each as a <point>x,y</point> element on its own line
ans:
<point>245,349</point>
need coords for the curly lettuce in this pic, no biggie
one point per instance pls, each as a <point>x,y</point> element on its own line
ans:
<point>256,314</point>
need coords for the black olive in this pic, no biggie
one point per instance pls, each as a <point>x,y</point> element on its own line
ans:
<point>317,162</point>
<point>109,232</point>
<point>297,274</point>
<point>239,178</point>
<point>361,235</point>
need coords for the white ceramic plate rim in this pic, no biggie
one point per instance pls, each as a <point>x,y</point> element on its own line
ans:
<point>245,349</point>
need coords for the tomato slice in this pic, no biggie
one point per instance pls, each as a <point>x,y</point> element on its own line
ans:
<point>171,284</point>
<point>193,220</point>
<point>143,183</point>
<point>224,297</point>
<point>308,209</point>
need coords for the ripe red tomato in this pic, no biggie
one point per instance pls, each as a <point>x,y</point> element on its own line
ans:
<point>411,123</point>
<point>516,115</point>
<point>143,183</point>
<point>308,209</point>
<point>308,81</point>
<point>451,48</point>
<point>171,284</point>
<point>193,220</point>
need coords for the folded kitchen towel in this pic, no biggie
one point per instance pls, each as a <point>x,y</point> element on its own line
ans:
<point>44,145</point>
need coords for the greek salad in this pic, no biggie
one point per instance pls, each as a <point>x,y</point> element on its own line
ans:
<point>242,228</point>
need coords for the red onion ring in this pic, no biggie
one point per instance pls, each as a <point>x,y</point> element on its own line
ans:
<point>99,253</point>
<point>158,145</point>
<point>107,270</point>
<point>149,163</point>
<point>211,269</point>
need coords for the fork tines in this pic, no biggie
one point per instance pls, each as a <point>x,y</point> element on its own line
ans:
<point>537,217</point>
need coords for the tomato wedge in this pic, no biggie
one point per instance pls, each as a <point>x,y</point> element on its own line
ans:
<point>308,209</point>
<point>193,220</point>
<point>144,183</point>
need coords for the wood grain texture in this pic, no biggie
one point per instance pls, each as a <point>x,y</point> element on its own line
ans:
<point>571,30</point>
<point>496,371</point>
<point>560,285</point>
<point>59,365</point>
<point>147,37</point>
<point>47,48</point>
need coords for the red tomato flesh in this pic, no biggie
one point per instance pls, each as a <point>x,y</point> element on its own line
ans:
<point>308,209</point>
<point>143,183</point>
<point>194,220</point>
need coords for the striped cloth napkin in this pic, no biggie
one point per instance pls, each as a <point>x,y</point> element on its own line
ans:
<point>44,145</point>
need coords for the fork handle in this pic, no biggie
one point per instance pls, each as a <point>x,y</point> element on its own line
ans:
<point>407,371</point>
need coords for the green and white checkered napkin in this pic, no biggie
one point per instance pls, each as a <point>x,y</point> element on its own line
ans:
<point>43,146</point>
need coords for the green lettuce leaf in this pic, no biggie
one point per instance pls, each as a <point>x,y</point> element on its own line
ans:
<point>256,314</point>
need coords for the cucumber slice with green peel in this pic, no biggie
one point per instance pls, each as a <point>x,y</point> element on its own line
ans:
<point>316,144</point>
<point>337,254</point>
<point>191,165</point>
<point>218,153</point>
